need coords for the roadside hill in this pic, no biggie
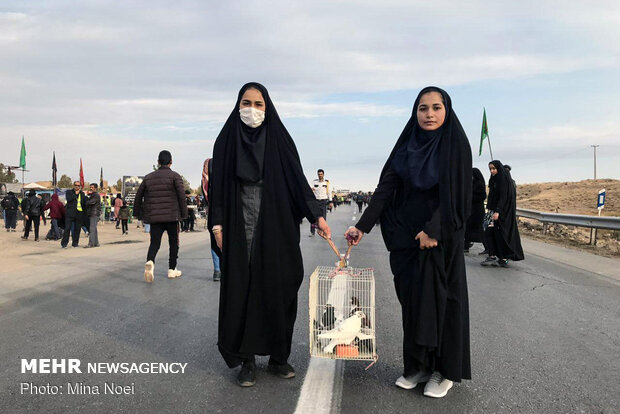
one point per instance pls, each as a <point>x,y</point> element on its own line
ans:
<point>572,198</point>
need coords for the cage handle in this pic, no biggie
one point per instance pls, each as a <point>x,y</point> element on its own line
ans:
<point>348,252</point>
<point>331,244</point>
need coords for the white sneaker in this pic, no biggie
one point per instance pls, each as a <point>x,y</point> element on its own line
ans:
<point>172,273</point>
<point>437,386</point>
<point>149,270</point>
<point>408,383</point>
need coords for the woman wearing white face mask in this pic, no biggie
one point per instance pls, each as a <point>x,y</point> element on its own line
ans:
<point>259,196</point>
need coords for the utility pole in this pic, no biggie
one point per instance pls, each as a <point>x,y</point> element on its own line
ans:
<point>594,146</point>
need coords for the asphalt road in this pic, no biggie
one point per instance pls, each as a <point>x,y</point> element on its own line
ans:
<point>545,336</point>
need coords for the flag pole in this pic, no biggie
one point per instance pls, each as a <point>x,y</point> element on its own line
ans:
<point>490,150</point>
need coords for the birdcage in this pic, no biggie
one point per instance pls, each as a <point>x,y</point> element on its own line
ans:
<point>342,313</point>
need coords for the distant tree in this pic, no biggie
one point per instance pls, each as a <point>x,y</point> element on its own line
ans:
<point>65,181</point>
<point>5,176</point>
<point>198,190</point>
<point>119,185</point>
<point>186,184</point>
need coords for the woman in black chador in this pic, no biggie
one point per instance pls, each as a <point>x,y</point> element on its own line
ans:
<point>423,199</point>
<point>259,196</point>
<point>502,234</point>
<point>474,231</point>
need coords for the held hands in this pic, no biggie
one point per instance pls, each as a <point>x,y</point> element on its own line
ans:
<point>426,242</point>
<point>324,230</point>
<point>495,216</point>
<point>354,235</point>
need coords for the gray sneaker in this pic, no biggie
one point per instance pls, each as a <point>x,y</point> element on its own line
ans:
<point>437,386</point>
<point>408,383</point>
<point>490,261</point>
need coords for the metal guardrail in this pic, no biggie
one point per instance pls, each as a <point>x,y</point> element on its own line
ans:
<point>594,222</point>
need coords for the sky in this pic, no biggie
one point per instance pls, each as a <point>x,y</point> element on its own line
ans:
<point>113,83</point>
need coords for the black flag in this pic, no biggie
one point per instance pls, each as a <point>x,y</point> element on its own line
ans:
<point>54,171</point>
<point>101,180</point>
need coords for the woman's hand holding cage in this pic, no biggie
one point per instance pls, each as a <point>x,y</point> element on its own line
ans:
<point>324,230</point>
<point>353,236</point>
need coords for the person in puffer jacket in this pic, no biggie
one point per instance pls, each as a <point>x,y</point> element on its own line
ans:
<point>160,202</point>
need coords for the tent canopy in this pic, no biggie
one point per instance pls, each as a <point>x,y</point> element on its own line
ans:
<point>34,186</point>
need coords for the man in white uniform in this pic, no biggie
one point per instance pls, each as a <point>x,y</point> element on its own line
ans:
<point>322,192</point>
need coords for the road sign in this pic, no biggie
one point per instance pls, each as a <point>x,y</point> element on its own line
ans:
<point>601,199</point>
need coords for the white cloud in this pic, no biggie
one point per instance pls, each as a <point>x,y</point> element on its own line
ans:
<point>121,79</point>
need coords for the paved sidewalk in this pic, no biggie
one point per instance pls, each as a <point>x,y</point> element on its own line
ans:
<point>604,266</point>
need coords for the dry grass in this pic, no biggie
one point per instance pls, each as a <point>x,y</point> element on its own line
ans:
<point>572,198</point>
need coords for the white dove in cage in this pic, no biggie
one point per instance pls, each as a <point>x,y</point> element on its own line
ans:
<point>346,333</point>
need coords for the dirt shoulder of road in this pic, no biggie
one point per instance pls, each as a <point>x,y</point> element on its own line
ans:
<point>571,198</point>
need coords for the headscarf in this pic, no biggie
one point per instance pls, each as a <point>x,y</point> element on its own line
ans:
<point>253,148</point>
<point>251,157</point>
<point>444,152</point>
<point>500,186</point>
<point>417,160</point>
<point>502,179</point>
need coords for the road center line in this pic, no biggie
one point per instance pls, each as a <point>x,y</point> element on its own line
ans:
<point>322,388</point>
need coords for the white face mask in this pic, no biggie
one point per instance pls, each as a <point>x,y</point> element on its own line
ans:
<point>252,117</point>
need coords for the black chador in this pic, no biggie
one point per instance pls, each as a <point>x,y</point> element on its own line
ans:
<point>258,169</point>
<point>506,242</point>
<point>426,185</point>
<point>475,231</point>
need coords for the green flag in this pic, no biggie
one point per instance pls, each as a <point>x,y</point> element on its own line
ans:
<point>22,156</point>
<point>485,130</point>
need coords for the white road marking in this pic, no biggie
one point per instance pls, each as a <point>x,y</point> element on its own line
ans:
<point>322,389</point>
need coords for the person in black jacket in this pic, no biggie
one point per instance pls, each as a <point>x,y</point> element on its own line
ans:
<point>93,204</point>
<point>75,213</point>
<point>10,204</point>
<point>160,202</point>
<point>188,223</point>
<point>32,209</point>
<point>474,231</point>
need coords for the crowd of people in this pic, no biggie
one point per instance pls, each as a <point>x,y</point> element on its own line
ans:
<point>81,213</point>
<point>430,204</point>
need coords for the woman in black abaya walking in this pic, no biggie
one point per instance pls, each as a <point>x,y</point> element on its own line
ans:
<point>423,200</point>
<point>502,234</point>
<point>474,231</point>
<point>259,196</point>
